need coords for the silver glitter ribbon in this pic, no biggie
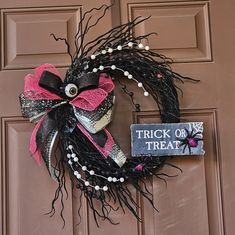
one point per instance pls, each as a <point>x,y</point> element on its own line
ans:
<point>94,121</point>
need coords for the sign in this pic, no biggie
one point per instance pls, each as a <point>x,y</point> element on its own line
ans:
<point>167,139</point>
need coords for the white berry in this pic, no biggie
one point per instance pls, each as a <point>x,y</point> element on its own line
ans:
<point>73,155</point>
<point>130,76</point>
<point>122,179</point>
<point>95,70</point>
<point>114,179</point>
<point>75,159</point>
<point>70,146</point>
<point>78,176</point>
<point>146,48</point>
<point>130,44</point>
<point>110,179</point>
<point>119,47</point>
<point>140,45</point>
<point>126,73</point>
<point>87,183</point>
<point>92,172</point>
<point>105,188</point>
<point>113,67</point>
<point>103,52</point>
<point>101,67</point>
<point>93,57</point>
<point>140,84</point>
<point>146,93</point>
<point>97,187</point>
<point>110,50</point>
<point>84,168</point>
<point>68,155</point>
<point>75,172</point>
<point>70,162</point>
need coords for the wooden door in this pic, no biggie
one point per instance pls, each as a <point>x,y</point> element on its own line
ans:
<point>199,36</point>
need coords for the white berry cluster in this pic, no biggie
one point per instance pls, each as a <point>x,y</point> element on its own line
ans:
<point>72,158</point>
<point>113,67</point>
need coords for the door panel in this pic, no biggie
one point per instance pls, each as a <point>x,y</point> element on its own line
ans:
<point>198,36</point>
<point>27,186</point>
<point>184,24</point>
<point>191,202</point>
<point>26,36</point>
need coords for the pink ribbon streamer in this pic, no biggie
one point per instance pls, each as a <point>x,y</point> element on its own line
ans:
<point>32,143</point>
<point>31,84</point>
<point>108,145</point>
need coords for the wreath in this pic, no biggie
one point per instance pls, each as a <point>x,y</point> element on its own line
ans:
<point>73,114</point>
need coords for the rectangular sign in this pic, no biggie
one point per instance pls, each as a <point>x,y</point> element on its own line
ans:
<point>167,139</point>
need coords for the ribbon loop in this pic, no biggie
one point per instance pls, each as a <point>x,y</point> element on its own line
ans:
<point>51,82</point>
<point>87,82</point>
<point>90,99</point>
<point>97,119</point>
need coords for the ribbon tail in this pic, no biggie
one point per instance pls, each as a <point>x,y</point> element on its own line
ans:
<point>43,147</point>
<point>108,149</point>
<point>47,153</point>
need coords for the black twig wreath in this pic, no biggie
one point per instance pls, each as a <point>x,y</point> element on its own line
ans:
<point>74,112</point>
